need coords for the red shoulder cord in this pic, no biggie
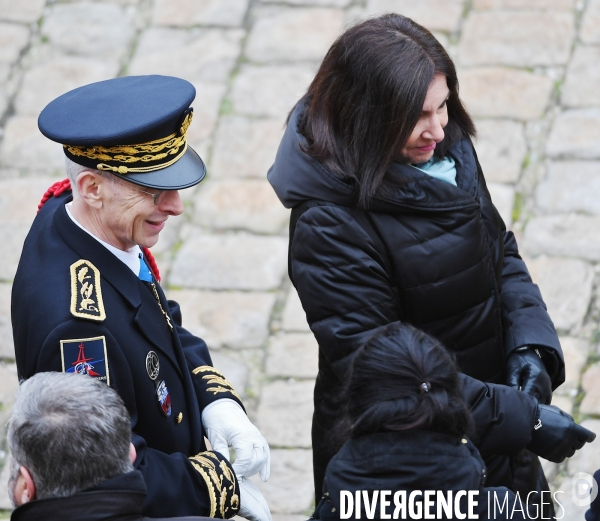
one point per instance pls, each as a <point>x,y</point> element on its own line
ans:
<point>61,186</point>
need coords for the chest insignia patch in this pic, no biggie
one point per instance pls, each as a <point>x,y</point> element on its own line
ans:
<point>85,356</point>
<point>86,295</point>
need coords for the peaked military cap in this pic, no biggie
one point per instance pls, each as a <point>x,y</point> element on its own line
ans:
<point>134,127</point>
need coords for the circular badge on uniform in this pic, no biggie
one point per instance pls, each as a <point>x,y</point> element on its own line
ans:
<point>152,365</point>
<point>163,397</point>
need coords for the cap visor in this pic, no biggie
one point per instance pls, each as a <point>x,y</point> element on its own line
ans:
<point>188,171</point>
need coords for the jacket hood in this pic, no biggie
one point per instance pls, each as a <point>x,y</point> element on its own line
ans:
<point>416,460</point>
<point>296,177</point>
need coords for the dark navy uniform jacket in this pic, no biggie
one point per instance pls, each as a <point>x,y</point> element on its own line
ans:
<point>54,312</point>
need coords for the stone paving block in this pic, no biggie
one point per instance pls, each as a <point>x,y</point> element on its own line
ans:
<point>234,368</point>
<point>290,487</point>
<point>285,413</point>
<point>289,517</point>
<point>590,382</point>
<point>269,90</point>
<point>198,55</point>
<point>564,403</point>
<point>576,352</point>
<point>293,355</point>
<point>89,29</point>
<point>6,339</point>
<point>293,34</point>
<point>481,5</point>
<point>575,133</point>
<point>13,38</point>
<point>230,261</point>
<point>520,38</point>
<point>501,149</point>
<point>9,383</point>
<point>566,285</point>
<point>586,459</point>
<point>590,24</point>
<point>18,206</point>
<point>568,511</point>
<point>294,318</point>
<point>59,75</point>
<point>245,147</point>
<point>206,112</point>
<point>563,235</point>
<point>325,3</point>
<point>25,147</point>
<point>185,13</point>
<point>496,92</point>
<point>233,319</point>
<point>245,204</point>
<point>24,12</point>
<point>5,503</point>
<point>436,15</point>
<point>570,186</point>
<point>503,197</point>
<point>580,88</point>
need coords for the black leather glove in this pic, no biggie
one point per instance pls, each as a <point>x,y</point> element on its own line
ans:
<point>526,371</point>
<point>556,436</point>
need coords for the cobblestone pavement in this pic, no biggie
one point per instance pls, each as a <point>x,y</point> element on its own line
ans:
<point>529,71</point>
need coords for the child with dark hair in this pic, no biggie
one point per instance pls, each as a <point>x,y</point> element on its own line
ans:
<point>408,415</point>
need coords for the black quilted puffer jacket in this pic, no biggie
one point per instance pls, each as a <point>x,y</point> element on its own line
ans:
<point>429,253</point>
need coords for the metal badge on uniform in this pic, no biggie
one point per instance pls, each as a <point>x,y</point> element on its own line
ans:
<point>86,356</point>
<point>152,365</point>
<point>164,398</point>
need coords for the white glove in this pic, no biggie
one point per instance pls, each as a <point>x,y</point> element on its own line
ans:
<point>226,424</point>
<point>253,505</point>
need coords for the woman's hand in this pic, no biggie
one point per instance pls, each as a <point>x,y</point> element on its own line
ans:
<point>525,370</point>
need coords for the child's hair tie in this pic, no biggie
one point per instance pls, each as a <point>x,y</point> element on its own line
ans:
<point>425,386</point>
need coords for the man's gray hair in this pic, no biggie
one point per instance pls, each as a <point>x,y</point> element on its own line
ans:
<point>74,169</point>
<point>70,431</point>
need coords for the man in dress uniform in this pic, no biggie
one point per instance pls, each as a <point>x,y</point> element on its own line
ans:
<point>86,297</point>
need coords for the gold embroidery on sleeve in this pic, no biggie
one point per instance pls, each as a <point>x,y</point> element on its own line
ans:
<point>221,483</point>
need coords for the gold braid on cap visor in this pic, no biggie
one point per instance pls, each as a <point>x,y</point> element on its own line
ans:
<point>162,152</point>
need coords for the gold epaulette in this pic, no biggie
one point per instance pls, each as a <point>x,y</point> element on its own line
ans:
<point>223,488</point>
<point>86,294</point>
<point>216,379</point>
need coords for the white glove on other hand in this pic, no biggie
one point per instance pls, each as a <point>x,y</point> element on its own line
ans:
<point>226,424</point>
<point>253,505</point>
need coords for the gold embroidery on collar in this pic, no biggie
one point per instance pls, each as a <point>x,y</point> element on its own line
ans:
<point>86,294</point>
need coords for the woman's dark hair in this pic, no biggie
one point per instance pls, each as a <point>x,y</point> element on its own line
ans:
<point>368,95</point>
<point>401,380</point>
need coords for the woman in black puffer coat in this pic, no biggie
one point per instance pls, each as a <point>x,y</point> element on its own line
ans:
<point>392,222</point>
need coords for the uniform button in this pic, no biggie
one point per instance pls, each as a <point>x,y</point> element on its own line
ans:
<point>179,417</point>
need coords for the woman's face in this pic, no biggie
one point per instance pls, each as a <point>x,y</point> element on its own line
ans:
<point>429,130</point>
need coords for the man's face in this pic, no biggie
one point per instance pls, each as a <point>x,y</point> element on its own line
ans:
<point>129,216</point>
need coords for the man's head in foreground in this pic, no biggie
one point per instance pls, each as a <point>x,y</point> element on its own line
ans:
<point>67,433</point>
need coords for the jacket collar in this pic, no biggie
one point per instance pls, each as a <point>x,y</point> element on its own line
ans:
<point>116,273</point>
<point>120,497</point>
<point>297,177</point>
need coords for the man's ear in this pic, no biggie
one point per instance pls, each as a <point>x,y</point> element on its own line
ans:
<point>89,185</point>
<point>132,453</point>
<point>24,487</point>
